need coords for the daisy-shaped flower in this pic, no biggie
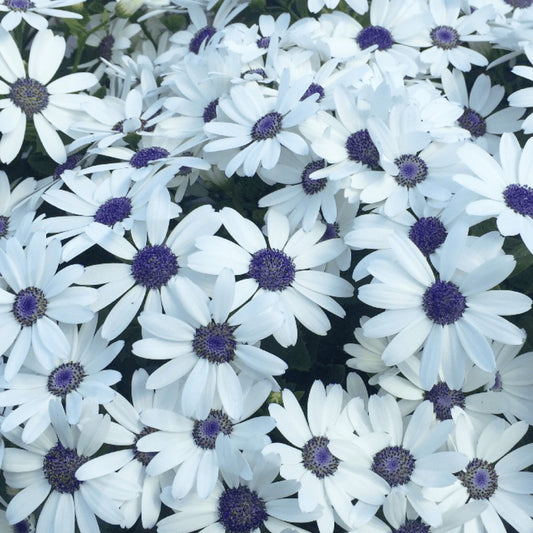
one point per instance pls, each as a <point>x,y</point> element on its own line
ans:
<point>38,296</point>
<point>46,472</point>
<point>359,6</point>
<point>452,316</point>
<point>279,275</point>
<point>478,118</point>
<point>524,97</point>
<point>239,505</point>
<point>70,380</point>
<point>32,96</point>
<point>32,12</point>
<point>505,187</point>
<point>201,448</point>
<point>207,346</point>
<point>260,126</point>
<point>447,34</point>
<point>154,258</point>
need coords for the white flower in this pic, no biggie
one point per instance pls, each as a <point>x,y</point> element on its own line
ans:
<point>359,6</point>
<point>524,97</point>
<point>31,96</point>
<point>32,12</point>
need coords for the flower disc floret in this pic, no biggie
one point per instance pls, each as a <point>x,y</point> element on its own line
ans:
<point>473,122</point>
<point>210,111</point>
<point>241,510</point>
<point>143,457</point>
<point>60,465</point>
<point>444,37</point>
<point>272,269</point>
<point>443,399</point>
<point>23,527</point>
<point>372,35</point>
<point>71,163</point>
<point>146,155</point>
<point>394,464</point>
<point>318,459</point>
<point>105,47</point>
<point>202,35</point>
<point>65,378</point>
<point>479,478</point>
<point>413,526</point>
<point>360,148</point>
<point>4,226</point>
<point>443,302</point>
<point>153,266</point>
<point>314,88</point>
<point>311,186</point>
<point>331,232</point>
<point>206,431</point>
<point>519,198</point>
<point>263,42</point>
<point>113,211</point>
<point>428,233</point>
<point>267,127</point>
<point>19,5</point>
<point>412,170</point>
<point>29,306</point>
<point>215,342</point>
<point>520,4</point>
<point>29,95</point>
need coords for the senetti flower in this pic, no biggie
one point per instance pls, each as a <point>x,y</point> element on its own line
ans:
<point>31,95</point>
<point>32,12</point>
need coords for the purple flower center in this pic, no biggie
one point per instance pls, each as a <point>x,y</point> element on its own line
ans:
<point>202,35</point>
<point>443,399</point>
<point>4,226</point>
<point>394,464</point>
<point>479,478</point>
<point>361,149</point>
<point>259,71</point>
<point>60,465</point>
<point>520,4</point>
<point>29,95</point>
<point>312,186</point>
<point>65,378</point>
<point>143,457</point>
<point>272,269</point>
<point>314,88</point>
<point>29,305</point>
<point>372,35</point>
<point>317,458</point>
<point>497,385</point>
<point>210,111</point>
<point>241,510</point>
<point>113,211</point>
<point>71,163</point>
<point>144,156</point>
<point>19,5</point>
<point>444,37</point>
<point>23,527</point>
<point>206,431</point>
<point>263,42</point>
<point>105,47</point>
<point>215,342</point>
<point>413,526</point>
<point>331,231</point>
<point>473,122</point>
<point>428,233</point>
<point>443,303</point>
<point>519,198</point>
<point>412,170</point>
<point>267,127</point>
<point>153,266</point>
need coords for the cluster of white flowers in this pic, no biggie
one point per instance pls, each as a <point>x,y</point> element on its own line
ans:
<point>228,192</point>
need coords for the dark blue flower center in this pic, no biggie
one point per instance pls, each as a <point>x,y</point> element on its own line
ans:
<point>479,478</point>
<point>71,163</point>
<point>60,465</point>
<point>498,384</point>
<point>30,305</point>
<point>206,431</point>
<point>263,42</point>
<point>413,526</point>
<point>210,111</point>
<point>65,378</point>
<point>23,527</point>
<point>29,95</point>
<point>312,186</point>
<point>473,122</point>
<point>519,198</point>
<point>267,127</point>
<point>520,4</point>
<point>144,156</point>
<point>259,71</point>
<point>143,457</point>
<point>202,35</point>
<point>443,399</point>
<point>215,342</point>
<point>374,35</point>
<point>428,233</point>
<point>113,211</point>
<point>331,231</point>
<point>4,226</point>
<point>443,302</point>
<point>444,37</point>
<point>314,88</point>
<point>153,266</point>
<point>272,269</point>
<point>241,510</point>
<point>361,149</point>
<point>105,47</point>
<point>394,464</point>
<point>19,5</point>
<point>317,458</point>
<point>412,170</point>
